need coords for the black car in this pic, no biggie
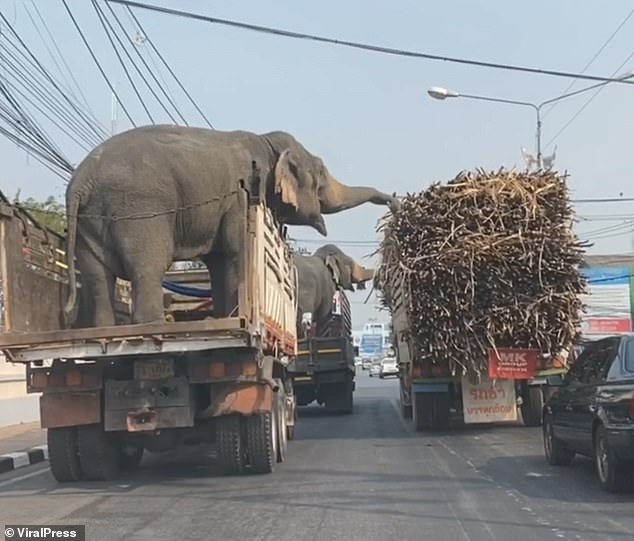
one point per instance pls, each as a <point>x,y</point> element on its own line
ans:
<point>592,413</point>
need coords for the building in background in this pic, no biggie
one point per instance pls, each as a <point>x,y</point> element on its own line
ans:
<point>610,299</point>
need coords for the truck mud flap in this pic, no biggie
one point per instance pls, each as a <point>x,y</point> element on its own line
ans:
<point>59,410</point>
<point>246,399</point>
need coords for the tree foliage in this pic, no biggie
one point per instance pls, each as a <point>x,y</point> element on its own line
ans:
<point>50,213</point>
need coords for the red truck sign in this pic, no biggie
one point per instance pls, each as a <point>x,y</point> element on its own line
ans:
<point>513,363</point>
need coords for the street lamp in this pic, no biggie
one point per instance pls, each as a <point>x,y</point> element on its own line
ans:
<point>441,93</point>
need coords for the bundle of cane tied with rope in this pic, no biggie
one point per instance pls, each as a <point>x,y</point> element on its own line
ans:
<point>486,260</point>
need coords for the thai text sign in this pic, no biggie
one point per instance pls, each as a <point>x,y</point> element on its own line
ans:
<point>489,402</point>
<point>513,363</point>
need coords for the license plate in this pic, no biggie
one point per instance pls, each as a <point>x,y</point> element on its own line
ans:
<point>156,369</point>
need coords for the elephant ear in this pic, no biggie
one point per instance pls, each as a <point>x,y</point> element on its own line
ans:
<point>340,273</point>
<point>285,182</point>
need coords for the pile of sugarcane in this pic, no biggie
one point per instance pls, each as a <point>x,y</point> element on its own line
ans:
<point>487,260</point>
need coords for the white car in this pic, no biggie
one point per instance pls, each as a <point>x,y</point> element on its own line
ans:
<point>375,369</point>
<point>389,367</point>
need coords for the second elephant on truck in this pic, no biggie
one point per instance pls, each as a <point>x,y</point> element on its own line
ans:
<point>318,277</point>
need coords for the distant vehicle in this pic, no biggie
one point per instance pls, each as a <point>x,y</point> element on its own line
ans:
<point>592,411</point>
<point>389,367</point>
<point>370,348</point>
<point>375,369</point>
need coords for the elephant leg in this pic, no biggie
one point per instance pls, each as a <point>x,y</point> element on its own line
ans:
<point>146,254</point>
<point>223,264</point>
<point>97,297</point>
<point>223,271</point>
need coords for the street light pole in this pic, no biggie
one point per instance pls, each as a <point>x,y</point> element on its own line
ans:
<point>440,93</point>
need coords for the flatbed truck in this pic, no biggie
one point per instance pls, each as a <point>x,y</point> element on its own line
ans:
<point>430,395</point>
<point>109,393</point>
<point>324,369</point>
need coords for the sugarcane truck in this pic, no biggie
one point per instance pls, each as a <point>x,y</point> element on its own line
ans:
<point>429,394</point>
<point>324,368</point>
<point>109,393</point>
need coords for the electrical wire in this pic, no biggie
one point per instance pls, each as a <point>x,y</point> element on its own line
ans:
<point>92,54</point>
<point>106,27</point>
<point>150,71</point>
<point>40,67</point>
<point>70,72</point>
<point>27,78</point>
<point>591,61</point>
<point>586,104</point>
<point>169,69</point>
<point>364,46</point>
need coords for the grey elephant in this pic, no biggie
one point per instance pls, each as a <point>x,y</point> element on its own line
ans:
<point>319,275</point>
<point>155,194</point>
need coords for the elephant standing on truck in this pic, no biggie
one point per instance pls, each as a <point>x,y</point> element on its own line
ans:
<point>152,195</point>
<point>319,275</point>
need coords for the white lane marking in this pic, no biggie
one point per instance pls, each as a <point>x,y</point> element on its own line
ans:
<point>23,477</point>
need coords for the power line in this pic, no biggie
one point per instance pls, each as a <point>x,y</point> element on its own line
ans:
<point>41,68</point>
<point>169,99</point>
<point>158,53</point>
<point>92,54</point>
<point>596,55</point>
<point>588,102</point>
<point>70,72</point>
<point>101,17</point>
<point>365,46</point>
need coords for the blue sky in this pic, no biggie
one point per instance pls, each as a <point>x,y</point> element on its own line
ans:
<point>368,115</point>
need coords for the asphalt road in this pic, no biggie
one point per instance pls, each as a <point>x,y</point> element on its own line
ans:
<point>365,476</point>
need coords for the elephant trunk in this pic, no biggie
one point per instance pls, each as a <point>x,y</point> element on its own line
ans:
<point>338,197</point>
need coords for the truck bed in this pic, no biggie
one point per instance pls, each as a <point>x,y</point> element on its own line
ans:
<point>123,340</point>
<point>33,288</point>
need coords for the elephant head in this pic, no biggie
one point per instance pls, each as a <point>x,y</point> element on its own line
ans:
<point>345,270</point>
<point>304,189</point>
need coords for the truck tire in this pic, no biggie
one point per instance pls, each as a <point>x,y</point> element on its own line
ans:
<point>532,405</point>
<point>130,457</point>
<point>231,451</point>
<point>340,398</point>
<point>290,427</point>
<point>63,454</point>
<point>349,400</point>
<point>282,429</point>
<point>98,454</point>
<point>406,410</point>
<point>431,411</point>
<point>261,442</point>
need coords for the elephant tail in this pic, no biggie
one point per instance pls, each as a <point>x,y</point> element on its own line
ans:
<point>72,208</point>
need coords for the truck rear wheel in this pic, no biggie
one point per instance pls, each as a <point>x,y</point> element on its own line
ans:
<point>98,454</point>
<point>231,451</point>
<point>282,429</point>
<point>431,411</point>
<point>340,398</point>
<point>63,454</point>
<point>130,457</point>
<point>532,405</point>
<point>261,432</point>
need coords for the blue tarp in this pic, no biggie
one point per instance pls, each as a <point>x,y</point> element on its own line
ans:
<point>188,291</point>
